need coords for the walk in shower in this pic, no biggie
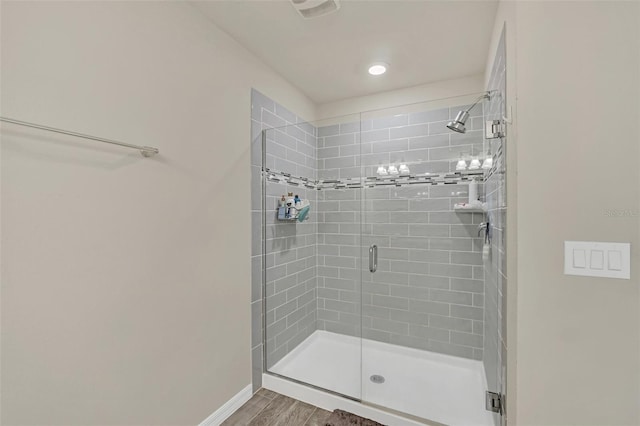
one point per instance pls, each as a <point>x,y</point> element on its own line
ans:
<point>386,289</point>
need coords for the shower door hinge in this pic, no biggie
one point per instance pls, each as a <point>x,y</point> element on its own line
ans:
<point>494,402</point>
<point>494,129</point>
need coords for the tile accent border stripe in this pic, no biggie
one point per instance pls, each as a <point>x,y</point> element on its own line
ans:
<point>277,176</point>
<point>228,408</point>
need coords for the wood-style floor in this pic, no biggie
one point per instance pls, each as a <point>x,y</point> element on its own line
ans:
<point>267,408</point>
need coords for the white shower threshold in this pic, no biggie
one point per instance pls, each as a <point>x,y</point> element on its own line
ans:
<point>425,385</point>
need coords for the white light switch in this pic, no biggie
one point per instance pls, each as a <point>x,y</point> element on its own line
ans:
<point>579,259</point>
<point>595,259</point>
<point>615,260</point>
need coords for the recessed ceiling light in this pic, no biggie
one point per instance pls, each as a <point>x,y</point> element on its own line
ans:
<point>378,68</point>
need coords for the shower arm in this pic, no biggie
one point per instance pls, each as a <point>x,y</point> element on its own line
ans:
<point>485,95</point>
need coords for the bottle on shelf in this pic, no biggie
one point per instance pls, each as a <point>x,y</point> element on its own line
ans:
<point>290,205</point>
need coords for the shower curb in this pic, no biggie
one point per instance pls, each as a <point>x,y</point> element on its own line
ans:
<point>331,402</point>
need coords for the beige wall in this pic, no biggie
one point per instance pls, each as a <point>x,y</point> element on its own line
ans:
<point>577,83</point>
<point>410,95</point>
<point>125,280</point>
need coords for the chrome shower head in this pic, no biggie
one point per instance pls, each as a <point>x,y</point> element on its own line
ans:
<point>458,124</point>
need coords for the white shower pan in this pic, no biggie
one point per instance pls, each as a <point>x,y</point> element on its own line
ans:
<point>442,388</point>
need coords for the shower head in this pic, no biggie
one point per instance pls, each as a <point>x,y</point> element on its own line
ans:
<point>459,123</point>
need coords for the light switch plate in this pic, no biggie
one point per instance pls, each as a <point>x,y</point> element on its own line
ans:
<point>596,259</point>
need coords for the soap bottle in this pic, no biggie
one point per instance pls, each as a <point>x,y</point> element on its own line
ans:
<point>473,192</point>
<point>282,208</point>
<point>297,201</point>
<point>290,203</point>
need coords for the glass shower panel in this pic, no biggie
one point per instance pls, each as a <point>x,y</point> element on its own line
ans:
<point>422,278</point>
<point>495,262</point>
<point>311,252</point>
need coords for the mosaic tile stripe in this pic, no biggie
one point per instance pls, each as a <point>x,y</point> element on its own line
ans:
<point>278,176</point>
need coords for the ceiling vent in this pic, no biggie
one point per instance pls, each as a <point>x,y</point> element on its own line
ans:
<point>315,8</point>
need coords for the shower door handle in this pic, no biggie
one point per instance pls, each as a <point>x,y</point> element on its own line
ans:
<point>373,258</point>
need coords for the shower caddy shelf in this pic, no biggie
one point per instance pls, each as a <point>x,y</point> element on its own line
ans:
<point>302,213</point>
<point>290,219</point>
<point>474,209</point>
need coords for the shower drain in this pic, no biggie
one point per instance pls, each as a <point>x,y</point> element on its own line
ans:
<point>376,378</point>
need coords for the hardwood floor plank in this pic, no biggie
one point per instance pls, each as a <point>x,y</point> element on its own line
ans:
<point>297,414</point>
<point>318,417</point>
<point>248,411</point>
<point>268,408</point>
<point>272,412</point>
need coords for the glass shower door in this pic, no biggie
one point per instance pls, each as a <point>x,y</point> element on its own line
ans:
<point>422,269</point>
<point>494,357</point>
<point>311,279</point>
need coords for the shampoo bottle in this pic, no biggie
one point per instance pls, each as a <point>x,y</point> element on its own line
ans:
<point>289,203</point>
<point>473,192</point>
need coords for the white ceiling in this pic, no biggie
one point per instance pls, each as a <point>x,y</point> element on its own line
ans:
<point>327,57</point>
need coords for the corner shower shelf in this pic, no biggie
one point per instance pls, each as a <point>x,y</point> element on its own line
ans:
<point>469,209</point>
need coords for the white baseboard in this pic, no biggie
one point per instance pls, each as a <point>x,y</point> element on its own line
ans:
<point>228,408</point>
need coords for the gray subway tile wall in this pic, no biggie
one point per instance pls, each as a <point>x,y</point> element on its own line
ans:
<point>291,273</point>
<point>291,247</point>
<point>427,146</point>
<point>428,290</point>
